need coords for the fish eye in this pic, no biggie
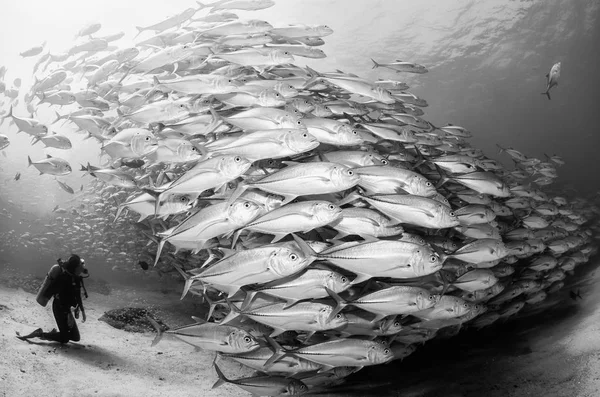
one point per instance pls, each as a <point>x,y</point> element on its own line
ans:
<point>354,132</point>
<point>428,184</point>
<point>331,207</point>
<point>293,257</point>
<point>286,53</point>
<point>452,213</point>
<point>396,323</point>
<point>386,351</point>
<point>237,159</point>
<point>466,305</point>
<point>408,265</point>
<point>344,279</point>
<point>432,258</point>
<point>247,205</point>
<point>384,162</point>
<point>247,339</point>
<point>183,199</point>
<point>304,135</point>
<point>350,172</point>
<point>338,316</point>
<point>431,297</point>
<point>147,138</point>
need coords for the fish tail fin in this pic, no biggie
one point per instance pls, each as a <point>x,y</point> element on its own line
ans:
<point>446,283</point>
<point>29,162</point>
<point>306,249</point>
<point>375,64</point>
<point>352,196</point>
<point>234,313</point>
<point>239,190</point>
<point>236,237</point>
<point>35,140</point>
<point>119,210</point>
<point>161,244</point>
<point>249,298</point>
<point>222,378</point>
<point>84,169</point>
<point>159,331</point>
<point>140,30</point>
<point>277,355</point>
<point>186,287</point>
<point>420,158</point>
<point>59,117</point>
<point>340,303</point>
<point>201,5</point>
<point>212,305</point>
<point>443,179</point>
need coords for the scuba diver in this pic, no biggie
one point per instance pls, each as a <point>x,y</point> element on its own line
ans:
<point>64,282</point>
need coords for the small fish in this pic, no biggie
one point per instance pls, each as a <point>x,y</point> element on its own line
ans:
<point>4,141</point>
<point>132,163</point>
<point>17,176</point>
<point>65,187</point>
<point>574,295</point>
<point>552,79</point>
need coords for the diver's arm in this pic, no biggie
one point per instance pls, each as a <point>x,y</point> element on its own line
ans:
<point>79,305</point>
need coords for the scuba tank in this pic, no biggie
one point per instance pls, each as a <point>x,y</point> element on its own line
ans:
<point>46,291</point>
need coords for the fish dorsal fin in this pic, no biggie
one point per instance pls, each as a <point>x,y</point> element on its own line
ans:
<point>399,60</point>
<point>48,156</point>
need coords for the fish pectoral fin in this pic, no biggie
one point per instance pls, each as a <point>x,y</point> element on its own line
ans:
<point>325,368</point>
<point>278,236</point>
<point>276,332</point>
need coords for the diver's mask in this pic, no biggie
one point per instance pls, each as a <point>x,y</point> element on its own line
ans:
<point>84,270</point>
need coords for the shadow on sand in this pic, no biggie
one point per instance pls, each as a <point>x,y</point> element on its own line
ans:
<point>90,354</point>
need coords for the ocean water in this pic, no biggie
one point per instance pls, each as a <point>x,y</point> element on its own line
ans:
<point>487,62</point>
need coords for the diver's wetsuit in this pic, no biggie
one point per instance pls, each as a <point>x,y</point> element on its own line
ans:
<point>67,294</point>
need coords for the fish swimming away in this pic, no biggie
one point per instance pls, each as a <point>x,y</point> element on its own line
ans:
<point>552,79</point>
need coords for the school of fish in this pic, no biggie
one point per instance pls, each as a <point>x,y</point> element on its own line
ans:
<point>328,225</point>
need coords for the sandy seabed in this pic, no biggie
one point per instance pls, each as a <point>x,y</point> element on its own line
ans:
<point>553,356</point>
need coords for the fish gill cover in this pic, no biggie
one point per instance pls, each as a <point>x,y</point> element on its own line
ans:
<point>326,222</point>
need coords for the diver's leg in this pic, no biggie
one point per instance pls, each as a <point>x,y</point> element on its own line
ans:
<point>61,315</point>
<point>35,334</point>
<point>73,330</point>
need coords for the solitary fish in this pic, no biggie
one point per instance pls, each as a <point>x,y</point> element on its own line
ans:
<point>552,79</point>
<point>65,187</point>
